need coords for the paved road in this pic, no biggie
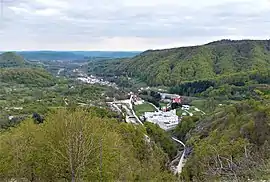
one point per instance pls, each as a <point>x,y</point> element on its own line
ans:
<point>154,106</point>
<point>181,162</point>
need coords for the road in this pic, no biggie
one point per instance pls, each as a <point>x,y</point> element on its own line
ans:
<point>127,105</point>
<point>181,162</point>
<point>154,106</point>
<point>60,70</point>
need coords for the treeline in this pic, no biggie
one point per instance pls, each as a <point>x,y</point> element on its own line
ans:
<point>151,96</point>
<point>233,85</point>
<point>192,88</point>
<point>80,145</point>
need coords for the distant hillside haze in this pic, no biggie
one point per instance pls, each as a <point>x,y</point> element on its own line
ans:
<point>73,55</point>
<point>173,66</point>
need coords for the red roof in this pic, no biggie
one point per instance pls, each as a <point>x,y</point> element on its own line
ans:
<point>177,100</point>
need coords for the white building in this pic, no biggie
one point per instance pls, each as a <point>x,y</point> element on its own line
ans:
<point>10,117</point>
<point>166,120</point>
<point>185,107</point>
<point>168,96</point>
<point>94,80</point>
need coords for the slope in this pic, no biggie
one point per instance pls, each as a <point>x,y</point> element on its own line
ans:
<point>80,145</point>
<point>230,145</point>
<point>172,66</point>
<point>32,76</point>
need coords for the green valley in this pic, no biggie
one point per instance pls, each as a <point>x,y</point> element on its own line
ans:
<point>198,113</point>
<point>230,81</point>
<point>29,89</point>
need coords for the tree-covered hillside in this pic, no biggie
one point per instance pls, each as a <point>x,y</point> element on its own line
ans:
<point>14,69</point>
<point>170,67</point>
<point>234,86</point>
<point>232,144</point>
<point>31,76</point>
<point>80,145</point>
<point>10,59</point>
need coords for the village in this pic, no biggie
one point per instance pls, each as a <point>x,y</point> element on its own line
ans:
<point>137,111</point>
<point>168,113</point>
<point>83,77</point>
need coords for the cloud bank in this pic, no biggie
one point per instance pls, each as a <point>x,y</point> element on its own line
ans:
<point>128,24</point>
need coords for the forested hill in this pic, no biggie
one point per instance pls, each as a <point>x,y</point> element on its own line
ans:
<point>27,76</point>
<point>10,59</point>
<point>14,69</point>
<point>231,144</point>
<point>173,66</point>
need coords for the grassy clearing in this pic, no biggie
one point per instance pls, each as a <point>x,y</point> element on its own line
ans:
<point>141,109</point>
<point>192,110</point>
<point>179,111</point>
<point>200,104</point>
<point>162,104</point>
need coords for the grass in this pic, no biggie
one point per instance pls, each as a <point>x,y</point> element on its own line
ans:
<point>160,88</point>
<point>192,110</point>
<point>200,104</point>
<point>162,104</point>
<point>142,108</point>
<point>179,111</point>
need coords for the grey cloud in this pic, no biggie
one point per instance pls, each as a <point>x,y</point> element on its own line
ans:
<point>90,21</point>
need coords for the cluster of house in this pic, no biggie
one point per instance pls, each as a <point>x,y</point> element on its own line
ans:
<point>94,80</point>
<point>170,99</point>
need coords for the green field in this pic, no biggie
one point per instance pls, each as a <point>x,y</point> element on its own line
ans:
<point>192,110</point>
<point>199,103</point>
<point>141,109</point>
<point>162,104</point>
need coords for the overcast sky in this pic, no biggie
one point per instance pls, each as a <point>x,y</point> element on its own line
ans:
<point>128,24</point>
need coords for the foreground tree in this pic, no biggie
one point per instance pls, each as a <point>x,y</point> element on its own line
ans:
<point>79,146</point>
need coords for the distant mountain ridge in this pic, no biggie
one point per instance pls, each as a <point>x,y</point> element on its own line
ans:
<point>73,55</point>
<point>172,66</point>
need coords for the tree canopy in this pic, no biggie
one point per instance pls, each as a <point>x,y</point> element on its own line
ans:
<point>77,145</point>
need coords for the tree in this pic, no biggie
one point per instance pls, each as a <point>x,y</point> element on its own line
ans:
<point>37,118</point>
<point>187,124</point>
<point>161,138</point>
<point>79,145</point>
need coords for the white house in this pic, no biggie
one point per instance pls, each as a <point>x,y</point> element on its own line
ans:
<point>185,107</point>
